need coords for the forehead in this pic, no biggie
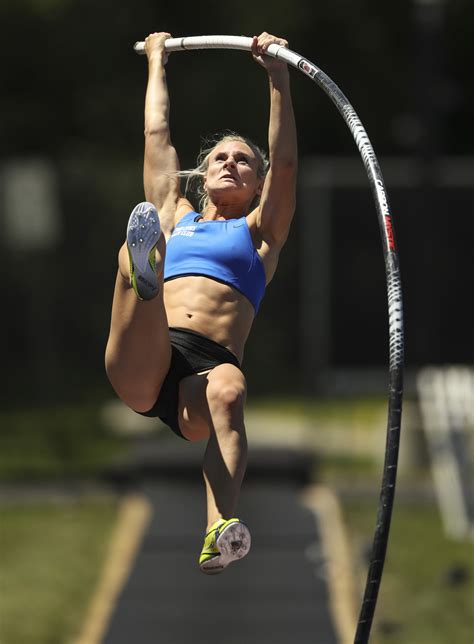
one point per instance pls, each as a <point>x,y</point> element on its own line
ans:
<point>234,147</point>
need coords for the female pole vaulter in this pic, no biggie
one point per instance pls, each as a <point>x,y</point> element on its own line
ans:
<point>190,283</point>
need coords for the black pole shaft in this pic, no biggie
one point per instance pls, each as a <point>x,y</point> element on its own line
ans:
<point>384,515</point>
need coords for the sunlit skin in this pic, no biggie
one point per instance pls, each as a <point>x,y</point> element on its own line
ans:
<point>204,305</point>
<point>232,180</point>
<point>138,352</point>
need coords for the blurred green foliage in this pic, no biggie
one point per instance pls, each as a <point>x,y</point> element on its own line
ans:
<point>57,443</point>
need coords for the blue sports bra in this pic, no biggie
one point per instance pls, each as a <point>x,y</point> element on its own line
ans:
<point>220,249</point>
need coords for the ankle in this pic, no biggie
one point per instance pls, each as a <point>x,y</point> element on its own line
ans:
<point>212,521</point>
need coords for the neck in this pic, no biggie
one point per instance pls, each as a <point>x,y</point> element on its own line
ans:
<point>224,211</point>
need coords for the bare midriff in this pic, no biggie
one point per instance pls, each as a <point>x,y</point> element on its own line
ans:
<point>212,308</point>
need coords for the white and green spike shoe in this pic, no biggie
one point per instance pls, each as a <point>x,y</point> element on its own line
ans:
<point>226,541</point>
<point>143,232</point>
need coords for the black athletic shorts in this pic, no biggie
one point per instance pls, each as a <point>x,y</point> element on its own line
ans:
<point>191,353</point>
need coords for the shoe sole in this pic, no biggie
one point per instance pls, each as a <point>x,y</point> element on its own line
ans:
<point>143,232</point>
<point>233,543</point>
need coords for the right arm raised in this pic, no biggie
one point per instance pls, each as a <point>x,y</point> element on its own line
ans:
<point>162,186</point>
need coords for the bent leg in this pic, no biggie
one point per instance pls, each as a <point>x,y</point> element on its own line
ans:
<point>138,352</point>
<point>216,409</point>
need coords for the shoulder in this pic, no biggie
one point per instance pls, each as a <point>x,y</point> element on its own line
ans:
<point>260,240</point>
<point>183,207</point>
<point>252,219</point>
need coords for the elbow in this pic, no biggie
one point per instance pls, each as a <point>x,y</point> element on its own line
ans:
<point>284,165</point>
<point>158,128</point>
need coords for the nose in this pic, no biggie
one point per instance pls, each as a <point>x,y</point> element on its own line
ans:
<point>229,161</point>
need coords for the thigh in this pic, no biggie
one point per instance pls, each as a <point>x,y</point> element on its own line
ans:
<point>138,352</point>
<point>193,410</point>
<point>198,395</point>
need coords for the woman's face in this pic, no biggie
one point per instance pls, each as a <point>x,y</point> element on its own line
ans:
<point>232,173</point>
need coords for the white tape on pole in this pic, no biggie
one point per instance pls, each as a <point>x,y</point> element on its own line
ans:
<point>223,42</point>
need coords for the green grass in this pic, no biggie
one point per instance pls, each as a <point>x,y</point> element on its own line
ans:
<point>56,443</point>
<point>345,430</point>
<point>51,556</point>
<point>345,412</point>
<point>420,601</point>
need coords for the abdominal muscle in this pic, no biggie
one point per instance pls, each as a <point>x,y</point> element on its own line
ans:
<point>206,306</point>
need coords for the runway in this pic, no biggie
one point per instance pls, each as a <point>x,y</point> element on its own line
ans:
<point>279,593</point>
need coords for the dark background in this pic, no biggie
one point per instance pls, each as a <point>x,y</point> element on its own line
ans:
<point>72,93</point>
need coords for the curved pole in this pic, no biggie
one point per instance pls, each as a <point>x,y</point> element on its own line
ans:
<point>394,293</point>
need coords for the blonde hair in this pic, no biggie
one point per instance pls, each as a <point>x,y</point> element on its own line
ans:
<point>197,175</point>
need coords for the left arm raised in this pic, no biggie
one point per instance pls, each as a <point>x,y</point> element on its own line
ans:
<point>277,204</point>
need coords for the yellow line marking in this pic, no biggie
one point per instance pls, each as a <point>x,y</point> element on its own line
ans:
<point>342,597</point>
<point>134,517</point>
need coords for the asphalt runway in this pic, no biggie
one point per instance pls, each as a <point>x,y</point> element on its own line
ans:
<point>277,594</point>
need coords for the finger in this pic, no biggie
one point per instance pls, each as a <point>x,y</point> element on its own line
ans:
<point>261,40</point>
<point>162,35</point>
<point>268,40</point>
<point>264,45</point>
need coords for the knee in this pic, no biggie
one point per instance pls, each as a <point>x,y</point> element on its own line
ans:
<point>227,396</point>
<point>138,400</point>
